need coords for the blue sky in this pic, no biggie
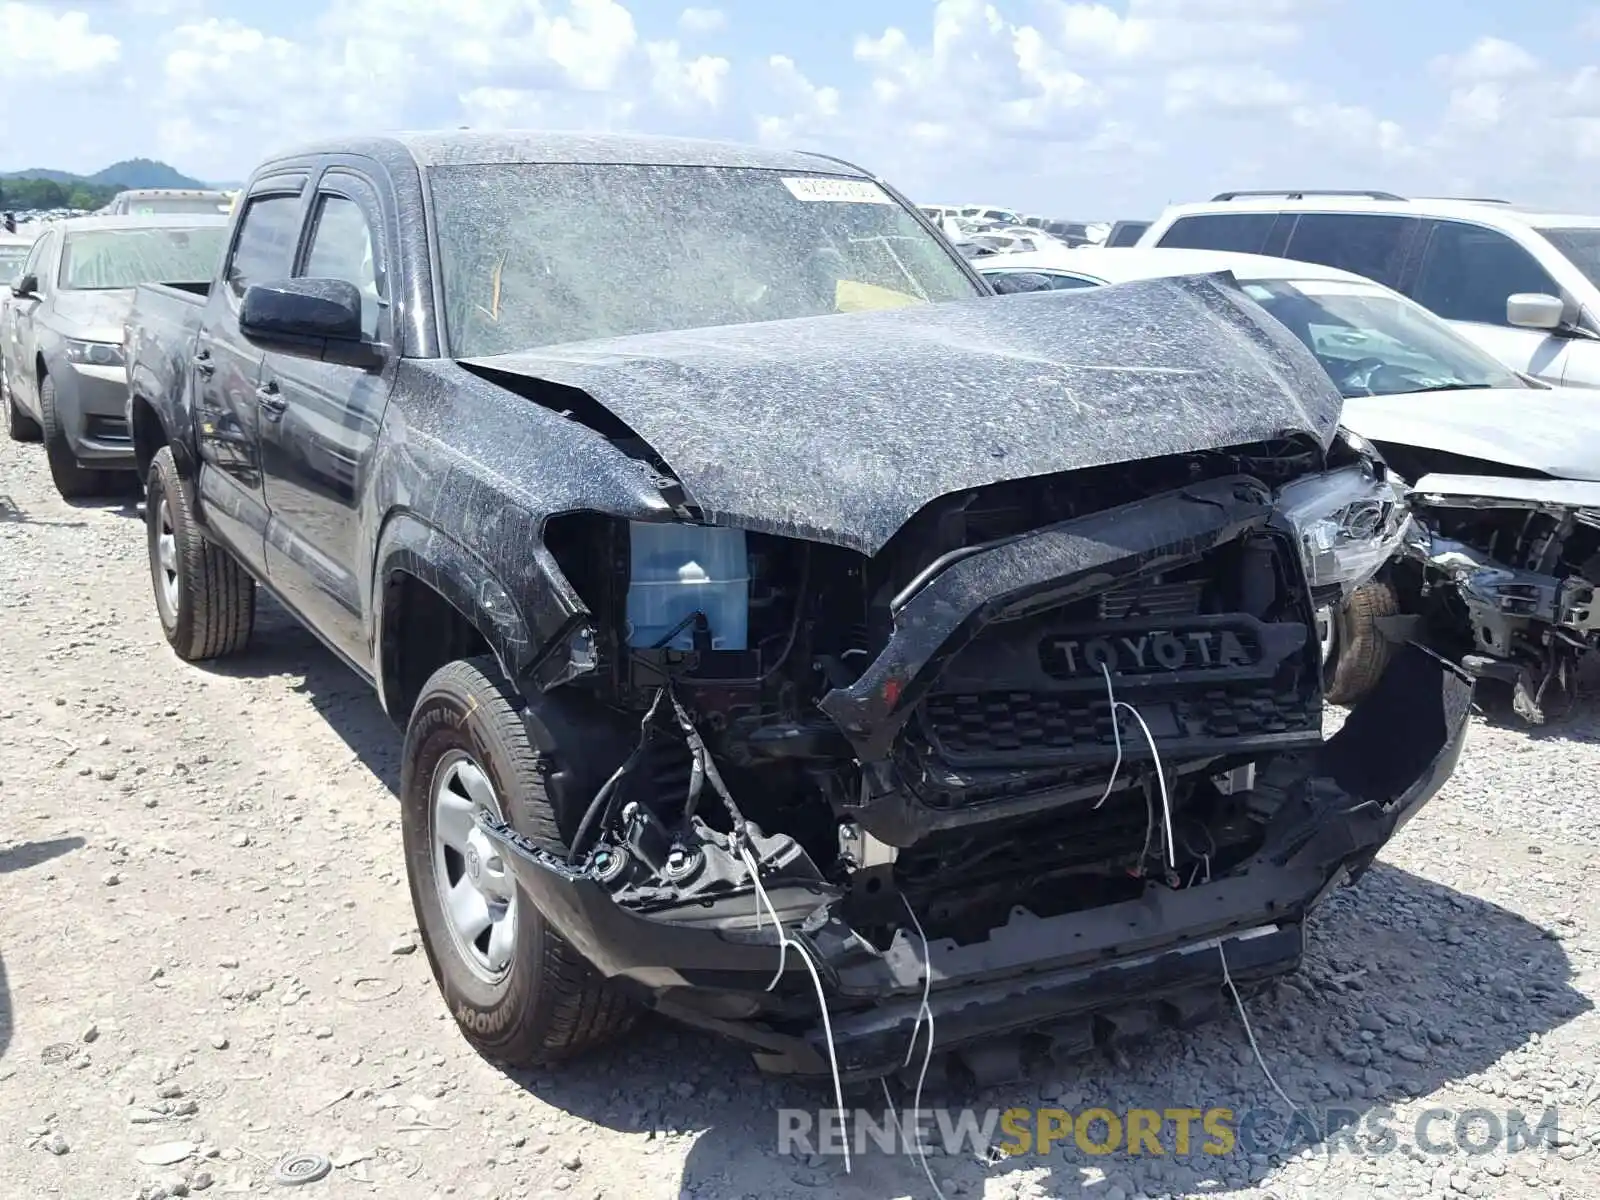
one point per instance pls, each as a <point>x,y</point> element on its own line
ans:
<point>1072,108</point>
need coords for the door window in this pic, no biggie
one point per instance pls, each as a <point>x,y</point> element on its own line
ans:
<point>1243,233</point>
<point>342,247</point>
<point>1364,243</point>
<point>1469,271</point>
<point>264,250</point>
<point>37,258</point>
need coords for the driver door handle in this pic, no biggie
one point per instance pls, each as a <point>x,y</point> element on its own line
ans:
<point>271,401</point>
<point>203,364</point>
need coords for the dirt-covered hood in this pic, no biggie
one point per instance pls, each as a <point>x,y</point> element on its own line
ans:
<point>839,428</point>
<point>1555,431</point>
<point>96,316</point>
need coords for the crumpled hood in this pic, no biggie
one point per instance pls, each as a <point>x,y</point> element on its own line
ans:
<point>1556,432</point>
<point>839,428</point>
<point>95,316</point>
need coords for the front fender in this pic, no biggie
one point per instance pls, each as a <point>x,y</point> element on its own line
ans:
<point>520,602</point>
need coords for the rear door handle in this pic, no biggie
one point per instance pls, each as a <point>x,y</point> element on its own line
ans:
<point>271,401</point>
<point>203,363</point>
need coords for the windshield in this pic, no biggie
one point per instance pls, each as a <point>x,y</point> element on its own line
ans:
<point>1581,247</point>
<point>11,260</point>
<point>1374,343</point>
<point>103,259</point>
<point>191,206</point>
<point>540,254</point>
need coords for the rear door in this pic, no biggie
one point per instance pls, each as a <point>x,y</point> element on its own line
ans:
<point>1467,273</point>
<point>1375,245</point>
<point>226,369</point>
<point>320,420</point>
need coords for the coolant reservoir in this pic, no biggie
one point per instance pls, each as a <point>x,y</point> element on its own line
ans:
<point>678,570</point>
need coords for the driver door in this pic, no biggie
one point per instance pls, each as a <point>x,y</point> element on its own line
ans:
<point>20,315</point>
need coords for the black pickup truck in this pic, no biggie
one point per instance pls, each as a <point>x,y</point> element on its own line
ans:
<point>772,612</point>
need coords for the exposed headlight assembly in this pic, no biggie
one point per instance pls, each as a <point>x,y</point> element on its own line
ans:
<point>1349,521</point>
<point>94,354</point>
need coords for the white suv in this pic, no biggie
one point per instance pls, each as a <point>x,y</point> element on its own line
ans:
<point>1523,284</point>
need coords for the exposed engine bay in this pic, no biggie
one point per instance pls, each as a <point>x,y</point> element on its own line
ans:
<point>1056,739</point>
<point>1505,574</point>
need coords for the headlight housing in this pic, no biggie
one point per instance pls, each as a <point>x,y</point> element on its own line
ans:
<point>94,354</point>
<point>1349,522</point>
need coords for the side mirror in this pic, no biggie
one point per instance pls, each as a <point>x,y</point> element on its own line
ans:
<point>26,287</point>
<point>1535,310</point>
<point>318,319</point>
<point>1008,283</point>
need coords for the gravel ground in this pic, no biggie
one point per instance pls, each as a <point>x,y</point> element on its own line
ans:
<point>207,955</point>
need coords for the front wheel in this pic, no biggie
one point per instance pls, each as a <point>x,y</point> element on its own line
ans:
<point>206,600</point>
<point>1355,650</point>
<point>73,480</point>
<point>522,996</point>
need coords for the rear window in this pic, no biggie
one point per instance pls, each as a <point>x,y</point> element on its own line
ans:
<point>1243,233</point>
<point>105,259</point>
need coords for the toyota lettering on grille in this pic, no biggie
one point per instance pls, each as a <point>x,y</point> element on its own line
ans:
<point>1156,650</point>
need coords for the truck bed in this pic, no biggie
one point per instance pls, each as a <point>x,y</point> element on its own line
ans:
<point>159,337</point>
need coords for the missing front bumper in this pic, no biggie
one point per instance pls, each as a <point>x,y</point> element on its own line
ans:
<point>711,962</point>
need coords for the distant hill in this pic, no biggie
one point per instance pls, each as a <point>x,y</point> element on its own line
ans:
<point>130,173</point>
<point>144,173</point>
<point>46,188</point>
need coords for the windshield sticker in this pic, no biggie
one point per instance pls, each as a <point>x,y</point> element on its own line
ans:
<point>849,191</point>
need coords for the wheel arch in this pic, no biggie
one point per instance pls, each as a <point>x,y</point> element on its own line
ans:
<point>434,600</point>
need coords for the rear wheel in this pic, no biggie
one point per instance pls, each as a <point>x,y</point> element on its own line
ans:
<point>1355,651</point>
<point>72,480</point>
<point>206,600</point>
<point>19,424</point>
<point>520,993</point>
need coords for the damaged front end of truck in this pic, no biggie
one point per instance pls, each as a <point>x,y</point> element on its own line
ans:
<point>1505,575</point>
<point>974,675</point>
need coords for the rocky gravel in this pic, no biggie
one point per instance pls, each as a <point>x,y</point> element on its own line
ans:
<point>209,984</point>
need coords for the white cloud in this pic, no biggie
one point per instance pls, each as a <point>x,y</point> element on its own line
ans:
<point>699,82</point>
<point>1488,59</point>
<point>702,20</point>
<point>40,43</point>
<point>1174,31</point>
<point>1231,88</point>
<point>232,92</point>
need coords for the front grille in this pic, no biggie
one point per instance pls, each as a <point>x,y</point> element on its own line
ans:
<point>974,726</point>
<point>1216,654</point>
<point>1181,599</point>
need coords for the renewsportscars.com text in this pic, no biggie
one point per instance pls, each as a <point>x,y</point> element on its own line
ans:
<point>1177,1131</point>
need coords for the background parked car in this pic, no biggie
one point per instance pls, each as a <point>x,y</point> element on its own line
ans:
<point>1505,469</point>
<point>63,358</point>
<point>144,202</point>
<point>1523,284</point>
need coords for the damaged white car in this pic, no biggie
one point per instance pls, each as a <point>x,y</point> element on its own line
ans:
<point>1499,572</point>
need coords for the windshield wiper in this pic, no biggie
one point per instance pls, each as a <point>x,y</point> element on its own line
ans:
<point>1460,387</point>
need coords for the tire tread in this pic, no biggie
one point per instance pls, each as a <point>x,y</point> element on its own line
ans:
<point>221,593</point>
<point>571,1008</point>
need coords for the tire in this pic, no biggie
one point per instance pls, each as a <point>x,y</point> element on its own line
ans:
<point>73,481</point>
<point>546,1003</point>
<point>19,424</point>
<point>1360,651</point>
<point>205,599</point>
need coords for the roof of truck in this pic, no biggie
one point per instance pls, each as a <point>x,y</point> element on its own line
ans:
<point>141,221</point>
<point>462,147</point>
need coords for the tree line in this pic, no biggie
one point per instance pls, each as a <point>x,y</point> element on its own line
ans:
<point>21,195</point>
